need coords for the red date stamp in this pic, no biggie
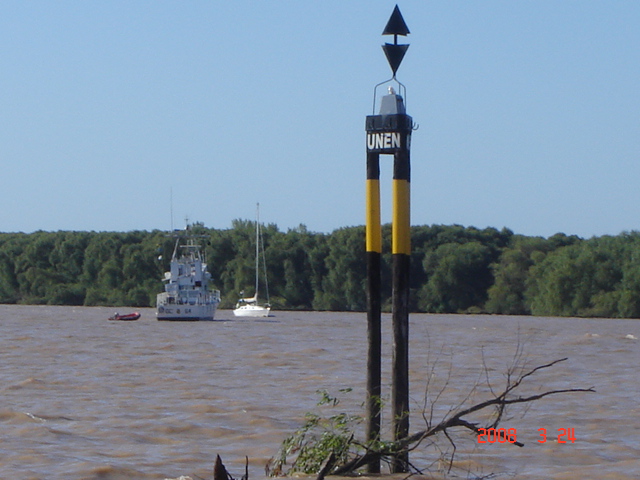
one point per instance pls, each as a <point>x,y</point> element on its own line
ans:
<point>503,435</point>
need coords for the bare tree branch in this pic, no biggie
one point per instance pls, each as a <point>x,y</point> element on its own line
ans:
<point>457,416</point>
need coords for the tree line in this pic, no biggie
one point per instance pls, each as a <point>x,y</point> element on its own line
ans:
<point>454,269</point>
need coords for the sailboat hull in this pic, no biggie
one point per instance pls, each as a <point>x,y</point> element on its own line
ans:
<point>252,311</point>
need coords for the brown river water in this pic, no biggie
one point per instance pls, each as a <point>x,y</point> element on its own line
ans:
<point>85,398</point>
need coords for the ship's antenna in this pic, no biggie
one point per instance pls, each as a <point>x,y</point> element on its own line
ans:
<point>171,206</point>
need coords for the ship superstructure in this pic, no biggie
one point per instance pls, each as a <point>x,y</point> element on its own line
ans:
<point>186,293</point>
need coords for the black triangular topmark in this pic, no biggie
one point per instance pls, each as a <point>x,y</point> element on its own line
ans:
<point>395,54</point>
<point>396,24</point>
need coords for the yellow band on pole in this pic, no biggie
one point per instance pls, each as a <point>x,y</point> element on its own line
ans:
<point>401,221</point>
<point>374,228</point>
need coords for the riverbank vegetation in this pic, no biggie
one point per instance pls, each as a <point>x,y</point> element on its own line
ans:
<point>454,269</point>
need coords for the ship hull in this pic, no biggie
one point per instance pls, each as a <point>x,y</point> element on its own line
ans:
<point>186,313</point>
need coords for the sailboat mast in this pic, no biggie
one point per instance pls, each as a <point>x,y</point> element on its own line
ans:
<point>257,246</point>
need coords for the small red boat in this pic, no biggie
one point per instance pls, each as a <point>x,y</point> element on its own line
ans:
<point>127,317</point>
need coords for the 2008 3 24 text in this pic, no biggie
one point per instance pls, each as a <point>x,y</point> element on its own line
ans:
<point>503,435</point>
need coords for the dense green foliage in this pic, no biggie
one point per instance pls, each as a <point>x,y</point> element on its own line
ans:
<point>454,269</point>
<point>320,436</point>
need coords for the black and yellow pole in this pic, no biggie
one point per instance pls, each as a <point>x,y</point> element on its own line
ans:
<point>401,255</point>
<point>389,132</point>
<point>374,254</point>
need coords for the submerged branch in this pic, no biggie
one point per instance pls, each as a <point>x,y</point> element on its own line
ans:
<point>500,400</point>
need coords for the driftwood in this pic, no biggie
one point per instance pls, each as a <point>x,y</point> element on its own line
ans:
<point>327,466</point>
<point>220,472</point>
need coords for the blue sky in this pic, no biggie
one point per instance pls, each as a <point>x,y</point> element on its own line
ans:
<point>116,113</point>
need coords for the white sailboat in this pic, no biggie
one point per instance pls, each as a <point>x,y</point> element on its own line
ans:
<point>250,307</point>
